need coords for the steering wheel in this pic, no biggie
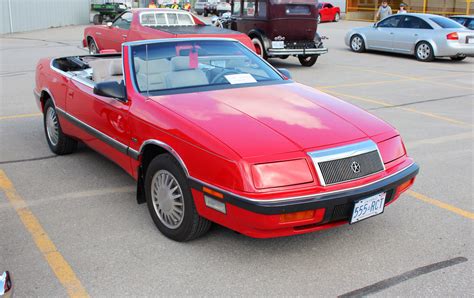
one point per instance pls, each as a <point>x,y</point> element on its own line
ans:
<point>220,77</point>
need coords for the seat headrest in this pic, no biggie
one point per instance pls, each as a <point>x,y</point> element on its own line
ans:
<point>180,63</point>
<point>115,67</point>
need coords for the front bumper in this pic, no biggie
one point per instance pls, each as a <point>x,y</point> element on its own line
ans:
<point>305,52</point>
<point>261,218</point>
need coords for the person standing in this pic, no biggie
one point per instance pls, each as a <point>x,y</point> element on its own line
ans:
<point>384,11</point>
<point>402,8</point>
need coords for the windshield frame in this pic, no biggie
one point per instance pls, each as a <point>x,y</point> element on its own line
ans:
<point>192,89</point>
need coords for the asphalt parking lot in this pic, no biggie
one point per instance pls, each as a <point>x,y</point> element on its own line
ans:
<point>71,225</point>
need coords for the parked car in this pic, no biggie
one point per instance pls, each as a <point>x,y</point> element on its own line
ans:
<point>328,12</point>
<point>213,133</point>
<point>466,21</point>
<point>6,285</point>
<point>222,7</point>
<point>280,28</point>
<point>199,6</point>
<point>138,24</point>
<point>426,36</point>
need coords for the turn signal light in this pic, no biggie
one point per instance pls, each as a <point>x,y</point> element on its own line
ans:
<point>213,192</point>
<point>405,185</point>
<point>452,36</point>
<point>302,215</point>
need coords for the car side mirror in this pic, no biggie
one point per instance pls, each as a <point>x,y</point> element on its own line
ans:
<point>109,24</point>
<point>111,89</point>
<point>375,25</point>
<point>285,72</point>
<point>6,285</point>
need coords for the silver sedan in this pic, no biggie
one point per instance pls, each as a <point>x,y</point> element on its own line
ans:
<point>424,35</point>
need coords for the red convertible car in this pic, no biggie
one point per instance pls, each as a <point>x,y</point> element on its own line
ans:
<point>156,23</point>
<point>328,12</point>
<point>213,133</point>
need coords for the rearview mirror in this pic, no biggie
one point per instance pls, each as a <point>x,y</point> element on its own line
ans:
<point>285,72</point>
<point>109,24</point>
<point>111,89</point>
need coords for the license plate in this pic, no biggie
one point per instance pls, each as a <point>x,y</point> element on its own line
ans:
<point>368,207</point>
<point>278,44</point>
<point>470,40</point>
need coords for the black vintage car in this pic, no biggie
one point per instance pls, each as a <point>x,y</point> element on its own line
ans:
<point>280,28</point>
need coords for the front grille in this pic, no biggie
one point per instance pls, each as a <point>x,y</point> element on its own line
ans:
<point>350,168</point>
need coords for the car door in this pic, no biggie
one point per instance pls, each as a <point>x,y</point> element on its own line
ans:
<point>408,33</point>
<point>101,122</point>
<point>380,37</point>
<point>118,32</point>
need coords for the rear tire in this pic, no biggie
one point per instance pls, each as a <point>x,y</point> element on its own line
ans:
<point>259,48</point>
<point>206,13</point>
<point>58,142</point>
<point>357,43</point>
<point>319,18</point>
<point>170,202</point>
<point>308,61</point>
<point>458,58</point>
<point>337,17</point>
<point>284,57</point>
<point>97,19</point>
<point>424,52</point>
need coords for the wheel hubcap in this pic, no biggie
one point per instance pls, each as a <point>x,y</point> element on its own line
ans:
<point>93,49</point>
<point>423,51</point>
<point>52,126</point>
<point>167,199</point>
<point>356,43</point>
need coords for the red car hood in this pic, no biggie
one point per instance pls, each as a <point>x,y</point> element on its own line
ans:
<point>273,119</point>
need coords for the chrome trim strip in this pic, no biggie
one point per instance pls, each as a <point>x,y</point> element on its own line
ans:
<point>289,199</point>
<point>169,149</point>
<point>122,148</point>
<point>343,152</point>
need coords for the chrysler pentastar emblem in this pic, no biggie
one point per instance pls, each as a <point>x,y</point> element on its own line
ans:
<point>355,166</point>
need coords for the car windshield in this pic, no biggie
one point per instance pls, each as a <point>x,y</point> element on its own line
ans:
<point>211,64</point>
<point>157,18</point>
<point>446,23</point>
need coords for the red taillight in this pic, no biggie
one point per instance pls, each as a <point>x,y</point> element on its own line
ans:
<point>452,36</point>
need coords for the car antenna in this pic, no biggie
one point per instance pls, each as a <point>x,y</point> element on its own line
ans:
<point>147,73</point>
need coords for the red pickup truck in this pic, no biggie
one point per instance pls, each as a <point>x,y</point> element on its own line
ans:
<point>145,23</point>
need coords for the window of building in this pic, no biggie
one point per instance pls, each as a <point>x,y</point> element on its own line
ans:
<point>249,8</point>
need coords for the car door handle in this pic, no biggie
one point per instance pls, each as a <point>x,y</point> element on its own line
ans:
<point>98,33</point>
<point>391,33</point>
<point>415,34</point>
<point>124,35</point>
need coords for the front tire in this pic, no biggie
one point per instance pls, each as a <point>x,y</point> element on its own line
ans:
<point>357,44</point>
<point>337,17</point>
<point>58,142</point>
<point>308,61</point>
<point>93,49</point>
<point>170,202</point>
<point>206,13</point>
<point>319,18</point>
<point>424,52</point>
<point>259,48</point>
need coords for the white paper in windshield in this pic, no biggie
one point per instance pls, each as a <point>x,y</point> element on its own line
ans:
<point>241,78</point>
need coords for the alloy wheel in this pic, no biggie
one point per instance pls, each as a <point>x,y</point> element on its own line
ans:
<point>423,51</point>
<point>356,43</point>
